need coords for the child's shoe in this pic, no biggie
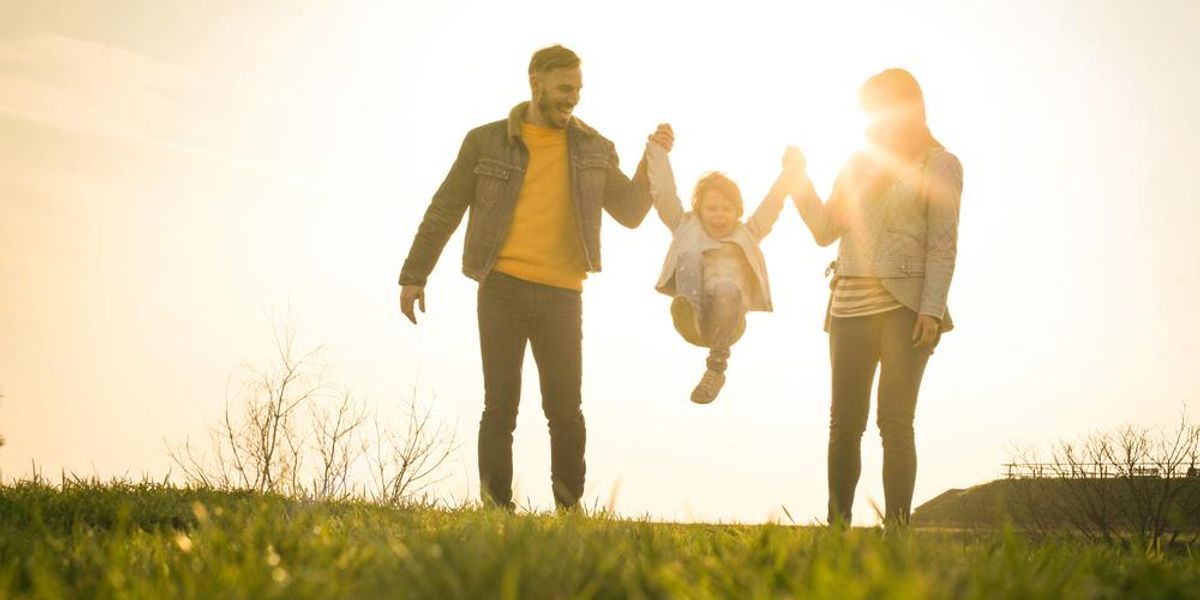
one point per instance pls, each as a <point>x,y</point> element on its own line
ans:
<point>686,316</point>
<point>710,385</point>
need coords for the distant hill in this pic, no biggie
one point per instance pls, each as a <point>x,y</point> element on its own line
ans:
<point>1049,502</point>
<point>982,506</point>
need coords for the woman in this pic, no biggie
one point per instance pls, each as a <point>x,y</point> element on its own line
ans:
<point>895,209</point>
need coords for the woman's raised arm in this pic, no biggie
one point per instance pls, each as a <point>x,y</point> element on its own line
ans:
<point>822,218</point>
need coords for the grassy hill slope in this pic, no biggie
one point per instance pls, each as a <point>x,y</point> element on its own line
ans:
<point>148,541</point>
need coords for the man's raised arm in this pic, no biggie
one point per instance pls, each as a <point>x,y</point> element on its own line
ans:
<point>626,200</point>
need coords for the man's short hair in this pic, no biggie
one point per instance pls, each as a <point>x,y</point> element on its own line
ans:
<point>553,57</point>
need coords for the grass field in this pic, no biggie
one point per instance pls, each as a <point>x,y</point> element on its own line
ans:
<point>142,541</point>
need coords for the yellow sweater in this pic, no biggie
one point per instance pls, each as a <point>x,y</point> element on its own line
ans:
<point>543,244</point>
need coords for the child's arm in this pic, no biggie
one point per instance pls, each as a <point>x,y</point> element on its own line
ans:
<point>790,178</point>
<point>764,217</point>
<point>662,183</point>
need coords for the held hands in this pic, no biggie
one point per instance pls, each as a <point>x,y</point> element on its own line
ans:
<point>409,295</point>
<point>794,166</point>
<point>793,159</point>
<point>663,136</point>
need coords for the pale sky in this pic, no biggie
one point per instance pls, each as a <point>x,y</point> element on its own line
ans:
<point>174,173</point>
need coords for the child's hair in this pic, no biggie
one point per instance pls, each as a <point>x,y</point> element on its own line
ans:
<point>720,183</point>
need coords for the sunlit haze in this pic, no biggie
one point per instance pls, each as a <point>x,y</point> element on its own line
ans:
<point>175,177</point>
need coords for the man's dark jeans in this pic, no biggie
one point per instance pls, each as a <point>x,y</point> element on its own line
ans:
<point>856,346</point>
<point>512,313</point>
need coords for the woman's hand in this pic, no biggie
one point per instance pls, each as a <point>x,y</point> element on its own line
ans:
<point>926,332</point>
<point>794,166</point>
<point>663,136</point>
<point>793,159</point>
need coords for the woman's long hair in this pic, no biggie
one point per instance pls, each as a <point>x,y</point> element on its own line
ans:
<point>894,103</point>
<point>895,94</point>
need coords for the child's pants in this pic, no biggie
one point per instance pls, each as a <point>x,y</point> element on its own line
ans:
<point>722,313</point>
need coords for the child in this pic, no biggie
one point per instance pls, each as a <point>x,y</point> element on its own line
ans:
<point>714,269</point>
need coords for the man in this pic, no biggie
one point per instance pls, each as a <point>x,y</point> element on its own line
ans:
<point>535,184</point>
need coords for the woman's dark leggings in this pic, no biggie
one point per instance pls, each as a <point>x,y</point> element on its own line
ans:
<point>856,346</point>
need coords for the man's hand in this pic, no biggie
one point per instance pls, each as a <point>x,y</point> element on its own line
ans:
<point>410,294</point>
<point>663,136</point>
<point>926,332</point>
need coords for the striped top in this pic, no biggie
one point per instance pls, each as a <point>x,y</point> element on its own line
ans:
<point>861,296</point>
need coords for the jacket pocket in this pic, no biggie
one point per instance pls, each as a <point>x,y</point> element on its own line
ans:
<point>592,172</point>
<point>488,167</point>
<point>491,177</point>
<point>915,238</point>
<point>593,162</point>
<point>902,246</point>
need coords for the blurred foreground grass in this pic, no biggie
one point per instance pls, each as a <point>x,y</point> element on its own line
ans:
<point>120,540</point>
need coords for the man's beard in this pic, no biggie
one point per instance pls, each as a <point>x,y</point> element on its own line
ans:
<point>550,112</point>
